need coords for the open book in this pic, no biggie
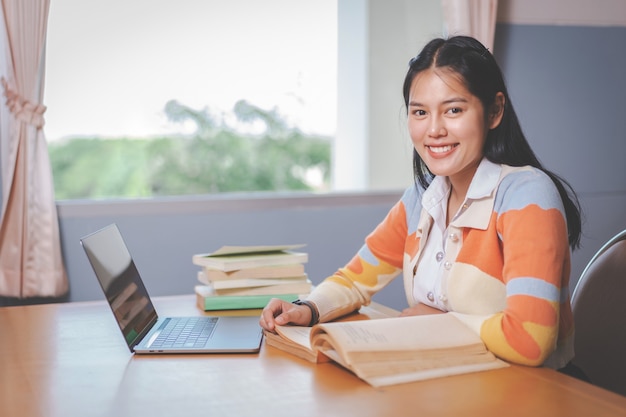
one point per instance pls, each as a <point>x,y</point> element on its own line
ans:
<point>391,351</point>
<point>296,339</point>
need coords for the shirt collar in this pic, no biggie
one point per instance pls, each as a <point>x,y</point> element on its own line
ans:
<point>485,180</point>
<point>483,184</point>
<point>478,201</point>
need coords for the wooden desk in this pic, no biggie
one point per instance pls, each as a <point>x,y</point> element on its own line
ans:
<point>70,360</point>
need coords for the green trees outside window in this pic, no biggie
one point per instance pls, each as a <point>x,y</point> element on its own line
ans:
<point>217,157</point>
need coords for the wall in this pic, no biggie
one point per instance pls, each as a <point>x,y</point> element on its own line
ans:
<point>567,84</point>
<point>163,235</point>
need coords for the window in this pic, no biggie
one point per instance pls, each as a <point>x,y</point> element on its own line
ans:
<point>136,89</point>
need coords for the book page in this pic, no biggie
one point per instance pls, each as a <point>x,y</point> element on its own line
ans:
<point>297,334</point>
<point>397,338</point>
<point>375,368</point>
<point>302,334</point>
<point>411,376</point>
<point>298,347</point>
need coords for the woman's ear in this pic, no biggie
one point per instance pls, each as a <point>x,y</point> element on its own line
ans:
<point>496,111</point>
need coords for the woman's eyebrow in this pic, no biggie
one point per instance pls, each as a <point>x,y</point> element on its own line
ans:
<point>455,100</point>
<point>448,101</point>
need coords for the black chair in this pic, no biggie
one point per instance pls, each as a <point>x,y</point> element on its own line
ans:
<point>599,307</point>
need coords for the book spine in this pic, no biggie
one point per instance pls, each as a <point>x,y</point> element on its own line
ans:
<point>240,302</point>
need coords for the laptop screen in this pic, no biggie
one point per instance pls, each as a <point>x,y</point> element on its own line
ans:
<point>121,283</point>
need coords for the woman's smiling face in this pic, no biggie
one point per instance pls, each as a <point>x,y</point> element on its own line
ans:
<point>447,124</point>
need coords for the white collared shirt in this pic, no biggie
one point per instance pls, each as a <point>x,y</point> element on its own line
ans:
<point>444,242</point>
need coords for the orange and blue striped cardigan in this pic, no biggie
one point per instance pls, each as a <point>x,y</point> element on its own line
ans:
<point>509,280</point>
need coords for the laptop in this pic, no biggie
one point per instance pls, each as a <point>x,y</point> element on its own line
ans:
<point>144,331</point>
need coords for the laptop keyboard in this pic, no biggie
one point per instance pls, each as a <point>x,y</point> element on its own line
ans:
<point>185,332</point>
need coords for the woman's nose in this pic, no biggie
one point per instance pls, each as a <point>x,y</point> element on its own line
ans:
<point>437,129</point>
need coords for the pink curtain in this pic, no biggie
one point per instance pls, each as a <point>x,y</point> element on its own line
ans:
<point>31,264</point>
<point>476,18</point>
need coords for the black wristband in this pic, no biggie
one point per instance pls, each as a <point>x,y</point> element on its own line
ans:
<point>315,315</point>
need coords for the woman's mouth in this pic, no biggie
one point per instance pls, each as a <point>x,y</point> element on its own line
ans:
<point>442,149</point>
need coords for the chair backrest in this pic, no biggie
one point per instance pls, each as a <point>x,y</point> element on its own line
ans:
<point>599,307</point>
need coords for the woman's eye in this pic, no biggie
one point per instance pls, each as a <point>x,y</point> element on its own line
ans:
<point>419,112</point>
<point>454,110</point>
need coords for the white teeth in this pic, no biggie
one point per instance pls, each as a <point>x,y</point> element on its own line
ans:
<point>440,149</point>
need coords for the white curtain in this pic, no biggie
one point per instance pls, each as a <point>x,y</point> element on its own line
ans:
<point>476,18</point>
<point>31,264</point>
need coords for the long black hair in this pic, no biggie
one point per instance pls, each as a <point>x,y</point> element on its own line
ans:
<point>506,144</point>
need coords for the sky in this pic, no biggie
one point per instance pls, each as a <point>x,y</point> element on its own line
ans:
<point>112,65</point>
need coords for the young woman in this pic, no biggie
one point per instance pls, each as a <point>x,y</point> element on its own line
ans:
<point>485,232</point>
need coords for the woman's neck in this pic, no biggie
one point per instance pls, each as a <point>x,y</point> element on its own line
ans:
<point>459,185</point>
<point>455,199</point>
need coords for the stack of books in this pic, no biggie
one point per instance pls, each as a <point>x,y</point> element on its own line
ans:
<point>247,277</point>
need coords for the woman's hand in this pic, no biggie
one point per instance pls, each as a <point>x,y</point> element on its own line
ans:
<point>279,312</point>
<point>419,309</point>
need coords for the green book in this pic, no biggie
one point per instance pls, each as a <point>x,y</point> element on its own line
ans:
<point>208,301</point>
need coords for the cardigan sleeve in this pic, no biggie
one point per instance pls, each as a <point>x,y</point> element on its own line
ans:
<point>531,225</point>
<point>377,263</point>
